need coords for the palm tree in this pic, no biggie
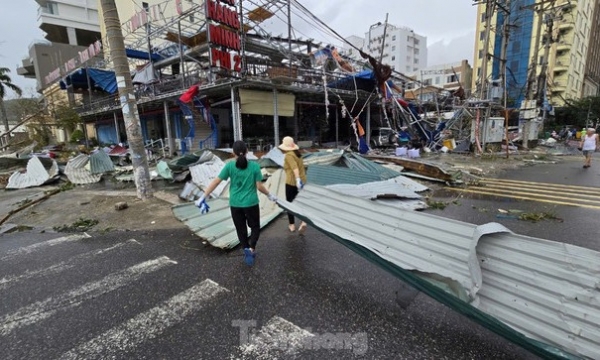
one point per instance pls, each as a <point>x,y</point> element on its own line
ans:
<point>6,83</point>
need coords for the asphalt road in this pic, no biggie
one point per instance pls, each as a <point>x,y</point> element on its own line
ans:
<point>162,294</point>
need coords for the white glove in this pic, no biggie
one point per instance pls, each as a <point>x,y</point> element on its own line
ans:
<point>201,203</point>
<point>299,183</point>
<point>272,197</point>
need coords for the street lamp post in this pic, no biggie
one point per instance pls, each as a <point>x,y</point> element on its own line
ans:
<point>371,28</point>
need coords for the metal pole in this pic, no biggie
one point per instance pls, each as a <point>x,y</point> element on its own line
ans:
<point>275,117</point>
<point>383,43</point>
<point>289,4</point>
<point>368,124</point>
<point>119,140</point>
<point>168,126</point>
<point>89,83</point>
<point>210,59</point>
<point>337,126</point>
<point>181,59</point>
<point>243,40</point>
<point>235,115</point>
<point>148,30</point>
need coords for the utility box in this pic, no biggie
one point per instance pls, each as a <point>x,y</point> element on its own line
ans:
<point>491,130</point>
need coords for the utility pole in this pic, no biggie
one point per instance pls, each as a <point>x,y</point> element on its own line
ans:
<point>503,77</point>
<point>384,33</point>
<point>289,15</point>
<point>127,99</point>
<point>489,12</point>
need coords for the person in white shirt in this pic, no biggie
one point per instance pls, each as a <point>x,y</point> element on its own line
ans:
<point>589,143</point>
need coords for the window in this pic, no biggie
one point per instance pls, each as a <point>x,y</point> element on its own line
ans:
<point>483,18</point>
<point>479,72</point>
<point>394,38</point>
<point>516,46</point>
<point>437,80</point>
<point>416,61</point>
<point>416,41</point>
<point>514,66</point>
<point>482,36</point>
<point>408,68</point>
<point>480,55</point>
<point>541,60</point>
<point>393,58</point>
<point>451,79</point>
<point>416,51</point>
<point>52,8</point>
<point>427,82</point>
<point>393,48</point>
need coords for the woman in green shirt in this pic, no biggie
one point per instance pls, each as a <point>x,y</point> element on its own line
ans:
<point>246,179</point>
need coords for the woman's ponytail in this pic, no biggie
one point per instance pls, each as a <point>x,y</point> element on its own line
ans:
<point>240,150</point>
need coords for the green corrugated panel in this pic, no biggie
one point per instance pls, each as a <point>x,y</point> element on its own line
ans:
<point>100,163</point>
<point>357,162</point>
<point>331,175</point>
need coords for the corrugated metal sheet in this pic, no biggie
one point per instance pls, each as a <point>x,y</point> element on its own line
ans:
<point>357,162</point>
<point>35,175</point>
<point>206,172</point>
<point>512,284</point>
<point>323,157</point>
<point>216,227</point>
<point>101,163</point>
<point>330,175</point>
<point>162,168</point>
<point>275,155</point>
<point>77,173</point>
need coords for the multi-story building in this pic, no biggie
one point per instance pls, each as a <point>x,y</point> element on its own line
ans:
<point>402,48</point>
<point>591,81</point>
<point>569,23</point>
<point>447,76</point>
<point>70,26</point>
<point>351,52</point>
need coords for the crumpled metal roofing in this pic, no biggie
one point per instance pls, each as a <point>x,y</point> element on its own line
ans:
<point>101,163</point>
<point>515,285</point>
<point>330,175</point>
<point>77,172</point>
<point>206,172</point>
<point>323,157</point>
<point>163,170</point>
<point>275,155</point>
<point>216,227</point>
<point>36,175</point>
<point>357,162</point>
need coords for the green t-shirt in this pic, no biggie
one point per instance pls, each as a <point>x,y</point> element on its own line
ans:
<point>242,188</point>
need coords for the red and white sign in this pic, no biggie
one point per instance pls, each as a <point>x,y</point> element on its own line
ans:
<point>224,36</point>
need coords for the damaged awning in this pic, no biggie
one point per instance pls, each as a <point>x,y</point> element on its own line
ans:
<point>540,294</point>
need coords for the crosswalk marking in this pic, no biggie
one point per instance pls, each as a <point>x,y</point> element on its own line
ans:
<point>44,309</point>
<point>557,194</point>
<point>147,325</point>
<point>39,246</point>
<point>8,281</point>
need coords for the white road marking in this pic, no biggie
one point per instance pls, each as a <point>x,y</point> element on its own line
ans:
<point>35,247</point>
<point>148,325</point>
<point>41,310</point>
<point>9,281</point>
<point>277,339</point>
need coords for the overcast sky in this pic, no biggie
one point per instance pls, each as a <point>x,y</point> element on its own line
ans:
<point>448,25</point>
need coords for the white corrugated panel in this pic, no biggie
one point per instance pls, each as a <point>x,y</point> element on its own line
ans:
<point>547,290</point>
<point>35,175</point>
<point>216,227</point>
<point>276,155</point>
<point>379,189</point>
<point>77,172</point>
<point>203,174</point>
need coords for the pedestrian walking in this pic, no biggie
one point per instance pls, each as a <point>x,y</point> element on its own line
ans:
<point>295,177</point>
<point>589,143</point>
<point>246,179</point>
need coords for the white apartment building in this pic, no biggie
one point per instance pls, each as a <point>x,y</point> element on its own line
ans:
<point>403,49</point>
<point>73,22</point>
<point>351,52</point>
<point>444,76</point>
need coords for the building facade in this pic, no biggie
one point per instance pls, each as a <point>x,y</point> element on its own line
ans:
<point>564,31</point>
<point>403,49</point>
<point>447,76</point>
<point>592,68</point>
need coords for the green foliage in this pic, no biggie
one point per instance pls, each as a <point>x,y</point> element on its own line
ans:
<point>77,136</point>
<point>578,112</point>
<point>67,118</point>
<point>6,83</point>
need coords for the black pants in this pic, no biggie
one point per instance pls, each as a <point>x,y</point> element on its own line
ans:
<point>290,194</point>
<point>244,218</point>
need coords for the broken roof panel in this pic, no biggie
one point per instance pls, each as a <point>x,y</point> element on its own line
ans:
<point>216,227</point>
<point>100,163</point>
<point>376,190</point>
<point>35,175</point>
<point>77,173</point>
<point>204,173</point>
<point>357,162</point>
<point>506,282</point>
<point>275,155</point>
<point>323,157</point>
<point>330,175</point>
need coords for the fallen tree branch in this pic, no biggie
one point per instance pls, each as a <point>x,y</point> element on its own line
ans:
<point>23,207</point>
